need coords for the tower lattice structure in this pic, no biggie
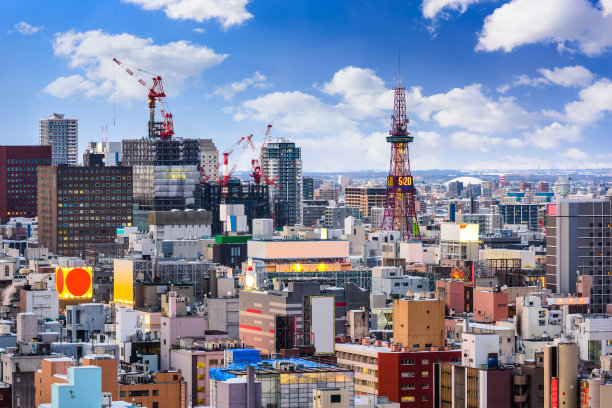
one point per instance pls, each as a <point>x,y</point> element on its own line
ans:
<point>400,210</point>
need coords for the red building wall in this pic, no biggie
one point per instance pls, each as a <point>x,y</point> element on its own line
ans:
<point>390,379</point>
<point>18,179</point>
<point>499,388</point>
<point>490,306</point>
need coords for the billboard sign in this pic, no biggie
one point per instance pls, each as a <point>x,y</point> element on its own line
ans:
<point>74,283</point>
<point>323,326</point>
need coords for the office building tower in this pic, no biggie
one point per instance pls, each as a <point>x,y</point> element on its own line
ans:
<point>82,205</point>
<point>209,159</point>
<point>561,375</point>
<point>578,243</point>
<point>165,172</point>
<point>18,179</point>
<point>365,198</point>
<point>308,188</point>
<point>102,154</point>
<point>520,214</point>
<point>62,135</point>
<point>283,160</point>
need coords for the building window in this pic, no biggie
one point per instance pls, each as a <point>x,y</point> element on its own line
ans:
<point>122,394</point>
<point>425,374</point>
<point>408,399</point>
<point>155,393</point>
<point>407,374</point>
<point>407,362</point>
<point>335,398</point>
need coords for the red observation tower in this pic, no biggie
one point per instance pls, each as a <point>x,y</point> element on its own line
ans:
<point>400,211</point>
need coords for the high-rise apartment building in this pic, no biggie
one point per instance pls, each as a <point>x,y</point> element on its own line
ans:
<point>165,172</point>
<point>365,198</point>
<point>62,135</point>
<point>18,179</point>
<point>283,160</point>
<point>578,243</point>
<point>308,188</point>
<point>209,158</point>
<point>82,205</point>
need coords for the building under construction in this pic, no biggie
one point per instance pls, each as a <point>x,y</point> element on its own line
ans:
<point>253,197</point>
<point>165,172</point>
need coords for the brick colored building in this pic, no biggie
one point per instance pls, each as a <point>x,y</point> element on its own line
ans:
<point>418,324</point>
<point>365,198</point>
<point>18,179</point>
<point>403,376</point>
<point>162,389</point>
<point>82,205</point>
<point>490,306</point>
<point>53,370</point>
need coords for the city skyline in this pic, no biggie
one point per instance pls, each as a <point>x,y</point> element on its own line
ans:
<point>322,75</point>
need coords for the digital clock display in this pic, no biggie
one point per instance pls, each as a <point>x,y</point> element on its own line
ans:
<point>403,182</point>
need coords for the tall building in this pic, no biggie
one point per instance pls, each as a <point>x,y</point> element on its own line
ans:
<point>18,179</point>
<point>308,188</point>
<point>365,198</point>
<point>62,135</point>
<point>578,244</point>
<point>561,375</point>
<point>82,205</point>
<point>209,158</point>
<point>165,172</point>
<point>283,160</point>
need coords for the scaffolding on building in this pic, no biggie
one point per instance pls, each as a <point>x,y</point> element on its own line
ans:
<point>362,278</point>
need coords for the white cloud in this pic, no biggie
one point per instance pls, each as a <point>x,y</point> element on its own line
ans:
<point>199,30</point>
<point>470,109</point>
<point>553,135</point>
<point>607,7</point>
<point>571,76</point>
<point>228,12</point>
<point>64,87</point>
<point>431,8</point>
<point>363,93</point>
<point>296,113</point>
<point>26,29</point>
<point>515,142</point>
<point>473,141</point>
<point>568,23</point>
<point>427,139</point>
<point>575,153</point>
<point>575,76</point>
<point>92,53</point>
<point>594,102</point>
<point>258,80</point>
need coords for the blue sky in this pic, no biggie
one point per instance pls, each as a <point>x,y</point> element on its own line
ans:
<point>491,84</point>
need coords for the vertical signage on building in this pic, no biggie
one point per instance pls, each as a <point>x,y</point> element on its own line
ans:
<point>554,393</point>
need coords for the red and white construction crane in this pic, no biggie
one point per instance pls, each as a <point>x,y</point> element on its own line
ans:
<point>156,93</point>
<point>257,172</point>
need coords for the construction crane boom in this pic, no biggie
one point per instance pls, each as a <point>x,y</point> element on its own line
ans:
<point>156,94</point>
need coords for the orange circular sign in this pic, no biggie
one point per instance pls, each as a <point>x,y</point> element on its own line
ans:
<point>78,281</point>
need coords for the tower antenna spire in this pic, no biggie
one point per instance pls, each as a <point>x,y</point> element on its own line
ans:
<point>399,65</point>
